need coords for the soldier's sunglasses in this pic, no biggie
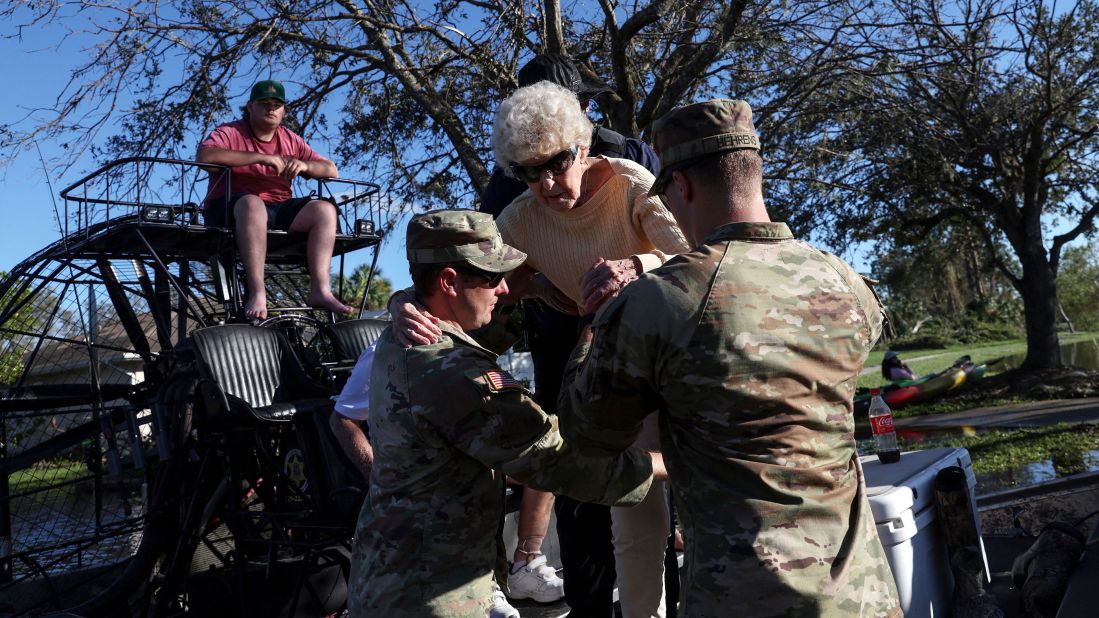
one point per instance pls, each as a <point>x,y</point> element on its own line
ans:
<point>558,164</point>
<point>493,279</point>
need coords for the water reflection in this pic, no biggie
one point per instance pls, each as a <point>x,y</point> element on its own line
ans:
<point>1063,462</point>
<point>1036,472</point>
<point>1083,354</point>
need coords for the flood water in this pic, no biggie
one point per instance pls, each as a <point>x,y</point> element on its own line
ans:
<point>50,525</point>
<point>1061,463</point>
<point>1082,354</point>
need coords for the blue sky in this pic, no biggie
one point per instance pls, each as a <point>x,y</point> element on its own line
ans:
<point>41,67</point>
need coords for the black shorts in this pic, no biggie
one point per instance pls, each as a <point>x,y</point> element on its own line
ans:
<point>279,214</point>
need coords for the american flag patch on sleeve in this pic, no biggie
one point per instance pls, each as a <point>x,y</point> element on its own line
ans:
<point>499,380</point>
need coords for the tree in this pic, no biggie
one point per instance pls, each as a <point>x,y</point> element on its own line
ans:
<point>19,314</point>
<point>880,120</point>
<point>942,289</point>
<point>355,285</point>
<point>978,115</point>
<point>1078,286</point>
<point>415,83</point>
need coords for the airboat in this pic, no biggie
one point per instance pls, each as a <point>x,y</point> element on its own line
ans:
<point>159,454</point>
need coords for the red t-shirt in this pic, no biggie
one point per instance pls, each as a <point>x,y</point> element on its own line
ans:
<point>256,179</point>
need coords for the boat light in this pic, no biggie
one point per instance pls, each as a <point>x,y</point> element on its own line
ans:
<point>364,227</point>
<point>157,214</point>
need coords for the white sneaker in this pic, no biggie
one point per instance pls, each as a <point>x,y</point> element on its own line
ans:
<point>536,580</point>
<point>500,606</point>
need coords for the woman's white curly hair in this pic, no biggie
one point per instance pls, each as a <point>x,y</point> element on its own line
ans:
<point>537,122</point>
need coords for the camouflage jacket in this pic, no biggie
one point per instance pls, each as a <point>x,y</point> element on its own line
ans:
<point>446,424</point>
<point>751,363</point>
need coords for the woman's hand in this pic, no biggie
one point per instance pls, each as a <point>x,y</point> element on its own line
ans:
<point>604,280</point>
<point>412,324</point>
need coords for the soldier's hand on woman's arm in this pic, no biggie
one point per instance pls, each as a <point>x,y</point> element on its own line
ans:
<point>604,280</point>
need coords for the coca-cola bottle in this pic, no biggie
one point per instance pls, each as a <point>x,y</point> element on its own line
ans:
<point>881,422</point>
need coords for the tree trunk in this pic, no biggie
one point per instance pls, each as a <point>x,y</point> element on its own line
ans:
<point>1064,316</point>
<point>554,42</point>
<point>1039,291</point>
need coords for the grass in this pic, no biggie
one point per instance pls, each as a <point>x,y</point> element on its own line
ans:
<point>1072,448</point>
<point>45,475</point>
<point>967,398</point>
<point>936,359</point>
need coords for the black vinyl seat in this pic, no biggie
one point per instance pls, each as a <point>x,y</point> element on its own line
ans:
<point>251,372</point>
<point>351,337</point>
<point>255,374</point>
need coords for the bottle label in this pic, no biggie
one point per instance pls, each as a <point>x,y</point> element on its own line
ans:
<point>881,424</point>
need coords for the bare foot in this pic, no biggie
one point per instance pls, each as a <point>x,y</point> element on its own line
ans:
<point>255,307</point>
<point>327,301</point>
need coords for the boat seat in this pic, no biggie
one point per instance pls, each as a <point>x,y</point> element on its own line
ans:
<point>253,375</point>
<point>250,373</point>
<point>351,337</point>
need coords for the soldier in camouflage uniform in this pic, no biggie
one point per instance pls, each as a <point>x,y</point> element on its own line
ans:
<point>749,347</point>
<point>447,425</point>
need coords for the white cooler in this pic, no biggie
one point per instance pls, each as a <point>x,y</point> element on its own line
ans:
<point>902,498</point>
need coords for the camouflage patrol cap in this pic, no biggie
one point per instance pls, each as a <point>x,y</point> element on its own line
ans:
<point>268,89</point>
<point>460,236</point>
<point>694,131</point>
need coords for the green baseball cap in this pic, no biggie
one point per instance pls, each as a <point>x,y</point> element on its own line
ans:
<point>268,89</point>
<point>457,237</point>
<point>695,131</point>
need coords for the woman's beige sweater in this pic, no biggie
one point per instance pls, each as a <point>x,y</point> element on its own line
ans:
<point>617,222</point>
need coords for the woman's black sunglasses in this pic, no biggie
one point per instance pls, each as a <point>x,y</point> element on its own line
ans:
<point>557,164</point>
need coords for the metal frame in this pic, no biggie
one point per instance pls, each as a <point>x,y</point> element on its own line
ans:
<point>148,285</point>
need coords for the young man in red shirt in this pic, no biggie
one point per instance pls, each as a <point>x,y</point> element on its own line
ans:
<point>266,157</point>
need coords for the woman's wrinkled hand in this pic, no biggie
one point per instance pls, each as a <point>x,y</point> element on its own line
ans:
<point>412,324</point>
<point>604,280</point>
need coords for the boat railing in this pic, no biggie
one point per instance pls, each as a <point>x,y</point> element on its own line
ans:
<point>159,191</point>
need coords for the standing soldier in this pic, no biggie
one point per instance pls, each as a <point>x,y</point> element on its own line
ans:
<point>749,347</point>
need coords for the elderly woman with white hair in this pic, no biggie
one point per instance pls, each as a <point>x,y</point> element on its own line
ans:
<point>578,208</point>
<point>588,227</point>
